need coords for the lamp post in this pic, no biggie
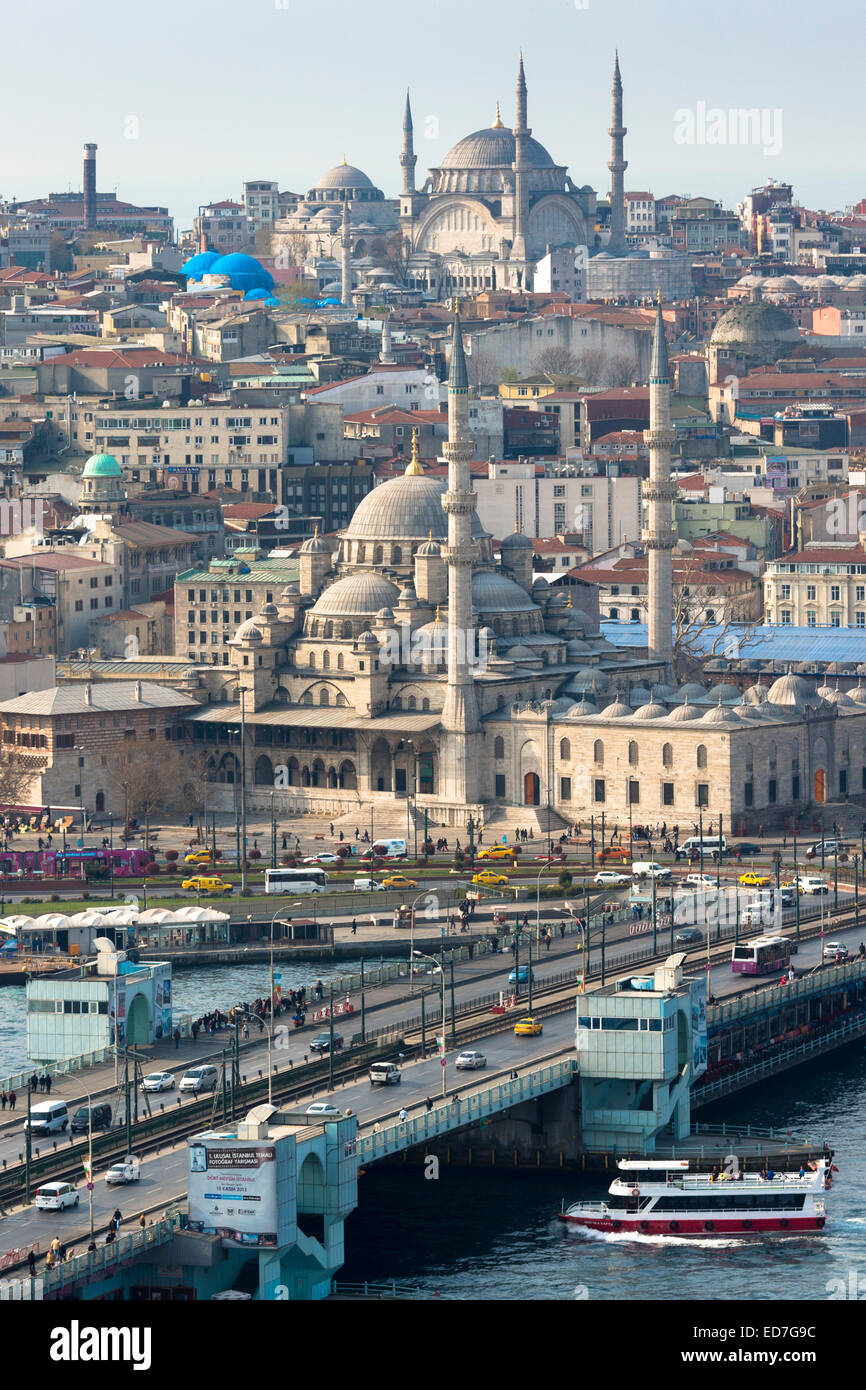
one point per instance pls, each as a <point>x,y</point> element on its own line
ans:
<point>111,851</point>
<point>412,951</point>
<point>90,1158</point>
<point>243,793</point>
<point>440,966</point>
<point>538,904</point>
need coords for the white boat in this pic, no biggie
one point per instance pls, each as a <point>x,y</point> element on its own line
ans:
<point>661,1197</point>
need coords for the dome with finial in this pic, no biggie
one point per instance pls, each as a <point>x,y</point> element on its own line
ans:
<point>429,547</point>
<point>618,709</point>
<point>793,692</point>
<point>413,467</point>
<point>516,541</point>
<point>834,696</point>
<point>652,710</point>
<point>315,545</point>
<point>684,712</point>
<point>719,714</point>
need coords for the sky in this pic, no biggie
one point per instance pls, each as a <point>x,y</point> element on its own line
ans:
<point>187,98</point>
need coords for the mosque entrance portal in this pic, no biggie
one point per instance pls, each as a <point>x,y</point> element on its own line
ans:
<point>820,786</point>
<point>531,789</point>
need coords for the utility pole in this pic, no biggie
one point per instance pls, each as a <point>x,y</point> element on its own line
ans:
<point>529,975</point>
<point>719,858</point>
<point>244,792</point>
<point>128,1100</point>
<point>364,1006</point>
<point>331,1042</point>
<point>423,1025</point>
<point>655,928</point>
<point>27,1149</point>
<point>453,1019</point>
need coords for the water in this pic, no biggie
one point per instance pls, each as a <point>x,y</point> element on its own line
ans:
<point>195,992</point>
<point>493,1234</point>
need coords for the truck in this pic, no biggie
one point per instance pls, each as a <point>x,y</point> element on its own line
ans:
<point>126,1171</point>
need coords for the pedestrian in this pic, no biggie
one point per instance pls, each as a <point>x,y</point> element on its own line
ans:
<point>34,1082</point>
<point>48,1083</point>
<point>3,1099</point>
<point>429,1103</point>
<point>12,1099</point>
<point>111,1236</point>
<point>55,1244</point>
<point>354,927</point>
<point>117,1218</point>
<point>403,1116</point>
<point>42,1084</point>
<point>31,1263</point>
<point>176,1036</point>
<point>142,1222</point>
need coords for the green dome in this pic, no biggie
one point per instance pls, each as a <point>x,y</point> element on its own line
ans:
<point>102,466</point>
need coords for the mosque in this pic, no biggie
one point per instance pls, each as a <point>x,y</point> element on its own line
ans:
<point>420,663</point>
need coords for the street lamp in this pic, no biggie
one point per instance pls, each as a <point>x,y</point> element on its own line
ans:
<point>412,951</point>
<point>440,966</point>
<point>538,904</point>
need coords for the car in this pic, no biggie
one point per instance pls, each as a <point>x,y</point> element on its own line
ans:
<point>528,1027</point>
<point>470,1061</point>
<point>385,1074</point>
<point>199,856</point>
<point>613,854</point>
<point>158,1081</point>
<point>611,878</point>
<point>199,1079</point>
<point>399,881</point>
<point>755,880</point>
<point>835,950</point>
<point>523,973</point>
<point>325,858</point>
<point>829,847</point>
<point>54,1196</point>
<point>211,885</point>
<point>324,1110</point>
<point>746,847</point>
<point>688,936</point>
<point>488,879</point>
<point>498,852</point>
<point>699,881</point>
<point>126,1171</point>
<point>90,1117</point>
<point>322,1042</point>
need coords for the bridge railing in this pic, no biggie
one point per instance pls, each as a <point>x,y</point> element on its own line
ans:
<point>457,1111</point>
<point>850,1027</point>
<point>102,1261</point>
<point>802,987</point>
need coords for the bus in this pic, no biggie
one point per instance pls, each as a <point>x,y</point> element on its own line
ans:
<point>309,879</point>
<point>764,955</point>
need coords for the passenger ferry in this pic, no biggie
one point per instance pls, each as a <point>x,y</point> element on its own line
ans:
<point>663,1198</point>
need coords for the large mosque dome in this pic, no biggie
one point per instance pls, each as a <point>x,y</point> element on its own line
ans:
<point>345,176</point>
<point>493,148</point>
<point>404,508</point>
<point>356,594</point>
<point>482,163</point>
<point>755,325</point>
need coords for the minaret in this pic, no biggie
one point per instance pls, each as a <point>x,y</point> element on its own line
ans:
<point>460,717</point>
<point>521,167</point>
<point>386,356</point>
<point>345,257</point>
<point>408,157</point>
<point>659,494</point>
<point>617,246</point>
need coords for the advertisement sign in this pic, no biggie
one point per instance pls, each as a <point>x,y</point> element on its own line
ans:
<point>776,474</point>
<point>232,1189</point>
<point>698,992</point>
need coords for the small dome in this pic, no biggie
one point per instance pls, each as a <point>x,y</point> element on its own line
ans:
<point>367,641</point>
<point>650,711</point>
<point>684,712</point>
<point>270,611</point>
<point>638,696</point>
<point>692,690</point>
<point>724,691</point>
<point>249,632</point>
<point>858,694</point>
<point>581,708</point>
<point>243,272</point>
<point>756,694</point>
<point>617,710</point>
<point>102,466</point>
<point>356,593</point>
<point>755,324</point>
<point>430,547</point>
<point>717,715</point>
<point>315,545</point>
<point>516,541</point>
<point>199,265</point>
<point>792,692</point>
<point>576,648</point>
<point>747,712</point>
<point>834,696</point>
<point>385,615</point>
<point>781,284</point>
<point>663,692</point>
<point>493,592</point>
<point>540,584</point>
<point>520,653</point>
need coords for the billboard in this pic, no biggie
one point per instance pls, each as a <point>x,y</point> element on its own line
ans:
<point>232,1189</point>
<point>698,990</point>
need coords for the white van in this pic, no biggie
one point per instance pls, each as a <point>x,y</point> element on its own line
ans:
<point>366,885</point>
<point>199,1079</point>
<point>50,1117</point>
<point>647,868</point>
<point>812,883</point>
<point>710,843</point>
<point>54,1196</point>
<point>385,1074</point>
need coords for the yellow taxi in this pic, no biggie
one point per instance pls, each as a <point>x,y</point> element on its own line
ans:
<point>198,856</point>
<point>528,1027</point>
<point>399,881</point>
<point>496,852</point>
<point>489,879</point>
<point>753,880</point>
<point>203,883</point>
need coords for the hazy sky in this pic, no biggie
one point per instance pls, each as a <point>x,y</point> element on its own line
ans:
<point>216,91</point>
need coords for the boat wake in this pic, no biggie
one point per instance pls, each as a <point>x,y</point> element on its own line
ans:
<point>639,1238</point>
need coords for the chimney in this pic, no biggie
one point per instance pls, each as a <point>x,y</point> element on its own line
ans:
<point>88,694</point>
<point>138,692</point>
<point>89,194</point>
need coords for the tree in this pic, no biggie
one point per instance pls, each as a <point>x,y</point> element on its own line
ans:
<point>16,776</point>
<point>481,367</point>
<point>292,249</point>
<point>195,773</point>
<point>556,361</point>
<point>147,777</point>
<point>706,624</point>
<point>621,370</point>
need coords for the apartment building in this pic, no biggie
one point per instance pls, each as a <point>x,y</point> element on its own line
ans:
<point>546,500</point>
<point>210,604</point>
<point>79,586</point>
<point>821,585</point>
<point>640,214</point>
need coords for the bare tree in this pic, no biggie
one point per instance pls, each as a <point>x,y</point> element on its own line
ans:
<point>195,782</point>
<point>707,623</point>
<point>556,361</point>
<point>589,365</point>
<point>620,370</point>
<point>290,248</point>
<point>482,368</point>
<point>16,776</point>
<point>147,777</point>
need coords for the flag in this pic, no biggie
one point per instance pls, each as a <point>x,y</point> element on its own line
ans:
<point>580,981</point>
<point>86,1165</point>
<point>440,1044</point>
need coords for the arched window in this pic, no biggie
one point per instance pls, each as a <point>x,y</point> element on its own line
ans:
<point>795,755</point>
<point>312,660</point>
<point>425,705</point>
<point>499,747</point>
<point>564,749</point>
<point>326,661</point>
<point>397,555</point>
<point>632,754</point>
<point>702,755</point>
<point>347,629</point>
<point>598,753</point>
<point>411,703</point>
<point>341,699</point>
<point>667,755</point>
<point>307,697</point>
<point>339,661</point>
<point>360,554</point>
<point>324,696</point>
<point>328,629</point>
<point>377,554</point>
<point>772,756</point>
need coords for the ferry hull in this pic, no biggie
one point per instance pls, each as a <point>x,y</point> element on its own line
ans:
<point>774,1225</point>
